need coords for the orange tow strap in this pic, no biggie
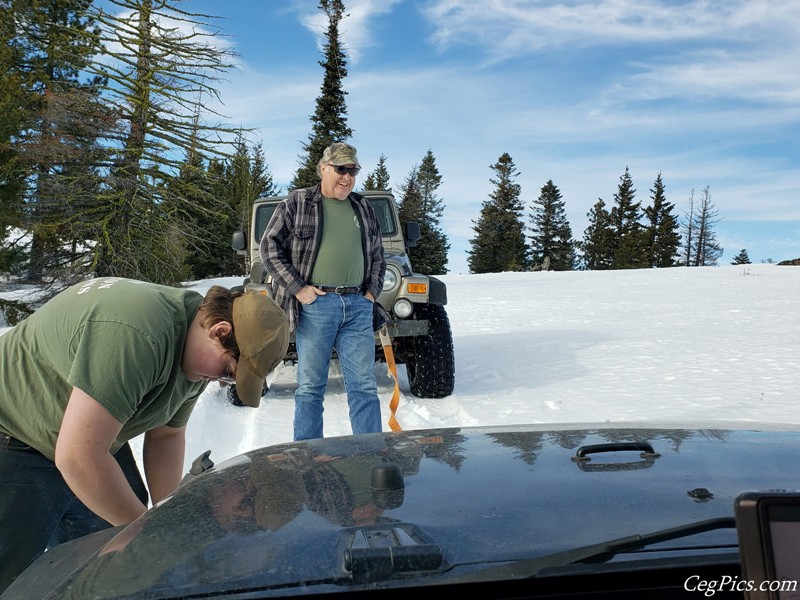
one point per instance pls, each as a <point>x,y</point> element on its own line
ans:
<point>386,342</point>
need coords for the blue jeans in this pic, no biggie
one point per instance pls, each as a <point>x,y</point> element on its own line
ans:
<point>342,322</point>
<point>37,508</point>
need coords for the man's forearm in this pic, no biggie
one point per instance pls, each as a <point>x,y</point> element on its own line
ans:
<point>101,485</point>
<point>163,454</point>
<point>83,458</point>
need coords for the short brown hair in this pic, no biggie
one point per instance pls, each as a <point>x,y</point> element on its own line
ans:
<point>217,306</point>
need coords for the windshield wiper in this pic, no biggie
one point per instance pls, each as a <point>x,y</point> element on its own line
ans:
<point>594,553</point>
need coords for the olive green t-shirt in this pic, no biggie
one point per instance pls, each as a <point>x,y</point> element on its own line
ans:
<point>119,340</point>
<point>340,260</point>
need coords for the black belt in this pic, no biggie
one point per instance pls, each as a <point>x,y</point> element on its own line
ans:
<point>7,440</point>
<point>340,289</point>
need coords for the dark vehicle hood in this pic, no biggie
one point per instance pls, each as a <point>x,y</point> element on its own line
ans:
<point>313,514</point>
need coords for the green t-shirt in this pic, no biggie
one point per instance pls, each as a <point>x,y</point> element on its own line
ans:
<point>340,260</point>
<point>119,340</point>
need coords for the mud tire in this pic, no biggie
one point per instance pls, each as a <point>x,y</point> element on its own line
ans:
<point>431,365</point>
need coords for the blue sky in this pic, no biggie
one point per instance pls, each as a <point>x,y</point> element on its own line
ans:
<point>707,92</point>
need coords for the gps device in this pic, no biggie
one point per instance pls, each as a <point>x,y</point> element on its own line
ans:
<point>768,528</point>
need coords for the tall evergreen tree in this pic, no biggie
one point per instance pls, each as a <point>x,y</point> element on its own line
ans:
<point>12,118</point>
<point>234,185</point>
<point>246,177</point>
<point>598,239</point>
<point>499,242</point>
<point>262,183</point>
<point>707,249</point>
<point>431,251</point>
<point>419,203</point>
<point>552,235</point>
<point>188,246</point>
<point>55,41</point>
<point>663,238</point>
<point>329,122</point>
<point>429,182</point>
<point>378,180</point>
<point>161,64</point>
<point>689,237</point>
<point>409,205</point>
<point>629,240</point>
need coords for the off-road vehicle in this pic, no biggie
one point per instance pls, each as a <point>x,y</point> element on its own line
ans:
<point>419,327</point>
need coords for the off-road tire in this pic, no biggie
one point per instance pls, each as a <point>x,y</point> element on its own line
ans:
<point>431,366</point>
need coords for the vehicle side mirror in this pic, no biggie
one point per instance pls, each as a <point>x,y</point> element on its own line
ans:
<point>239,241</point>
<point>412,234</point>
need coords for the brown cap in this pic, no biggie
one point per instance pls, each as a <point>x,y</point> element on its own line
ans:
<point>262,334</point>
<point>340,153</point>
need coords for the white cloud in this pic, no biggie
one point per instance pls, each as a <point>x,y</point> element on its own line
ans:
<point>354,29</point>
<point>716,48</point>
<point>755,77</point>
<point>517,26</point>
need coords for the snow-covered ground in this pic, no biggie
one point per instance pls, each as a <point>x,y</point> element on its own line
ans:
<point>677,345</point>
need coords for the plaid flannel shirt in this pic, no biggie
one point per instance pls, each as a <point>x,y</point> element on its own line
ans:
<point>291,242</point>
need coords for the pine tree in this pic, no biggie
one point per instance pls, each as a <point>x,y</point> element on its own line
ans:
<point>246,178</point>
<point>262,182</point>
<point>663,238</point>
<point>159,76</point>
<point>429,182</point>
<point>742,258</point>
<point>499,242</point>
<point>430,254</point>
<point>378,180</point>
<point>53,43</point>
<point>688,232</point>
<point>419,203</point>
<point>598,239</point>
<point>409,205</point>
<point>329,123</point>
<point>707,249</point>
<point>12,118</point>
<point>629,240</point>
<point>552,235</point>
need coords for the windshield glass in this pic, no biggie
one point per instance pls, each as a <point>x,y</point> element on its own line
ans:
<point>264,213</point>
<point>385,215</point>
<point>380,204</point>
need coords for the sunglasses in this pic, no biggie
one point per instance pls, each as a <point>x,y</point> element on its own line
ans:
<point>345,170</point>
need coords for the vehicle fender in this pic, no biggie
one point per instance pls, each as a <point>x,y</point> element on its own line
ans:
<point>438,291</point>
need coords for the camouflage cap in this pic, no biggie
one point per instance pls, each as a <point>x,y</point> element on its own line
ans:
<point>340,153</point>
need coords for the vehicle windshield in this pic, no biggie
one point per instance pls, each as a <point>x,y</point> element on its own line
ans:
<point>264,213</point>
<point>385,214</point>
<point>380,204</point>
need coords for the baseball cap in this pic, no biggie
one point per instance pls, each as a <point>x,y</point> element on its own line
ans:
<point>340,153</point>
<point>262,334</point>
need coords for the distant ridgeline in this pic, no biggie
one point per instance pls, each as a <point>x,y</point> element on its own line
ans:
<point>794,262</point>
